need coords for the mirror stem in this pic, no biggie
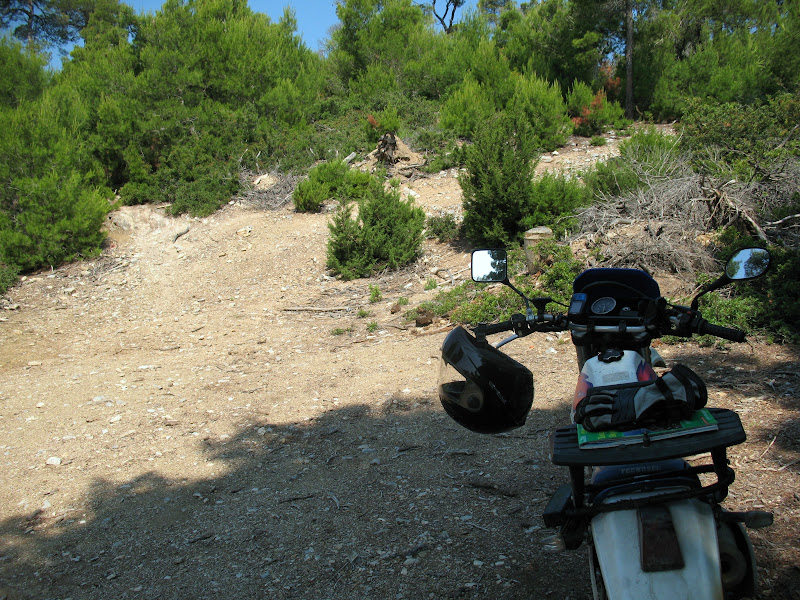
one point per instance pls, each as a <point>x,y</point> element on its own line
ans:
<point>528,311</point>
<point>710,287</point>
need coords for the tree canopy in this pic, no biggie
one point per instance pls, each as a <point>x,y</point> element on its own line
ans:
<point>172,106</point>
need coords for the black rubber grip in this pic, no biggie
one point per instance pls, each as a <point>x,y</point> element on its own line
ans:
<point>726,333</point>
<point>497,327</point>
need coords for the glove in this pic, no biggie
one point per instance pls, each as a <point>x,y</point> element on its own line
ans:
<point>671,397</point>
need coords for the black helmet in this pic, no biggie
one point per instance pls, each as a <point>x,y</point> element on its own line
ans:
<point>480,387</point>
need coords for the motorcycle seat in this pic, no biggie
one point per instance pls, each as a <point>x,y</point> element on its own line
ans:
<point>666,475</point>
<point>609,474</point>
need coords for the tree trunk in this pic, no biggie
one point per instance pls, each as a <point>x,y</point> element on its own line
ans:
<point>629,59</point>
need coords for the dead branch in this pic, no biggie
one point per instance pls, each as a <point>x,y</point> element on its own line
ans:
<point>781,221</point>
<point>272,197</point>
<point>725,210</point>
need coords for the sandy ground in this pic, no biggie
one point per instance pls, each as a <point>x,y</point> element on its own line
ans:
<point>211,415</point>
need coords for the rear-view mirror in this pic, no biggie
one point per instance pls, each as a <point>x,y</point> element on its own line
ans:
<point>490,266</point>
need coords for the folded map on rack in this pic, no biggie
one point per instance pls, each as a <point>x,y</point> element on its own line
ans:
<point>700,421</point>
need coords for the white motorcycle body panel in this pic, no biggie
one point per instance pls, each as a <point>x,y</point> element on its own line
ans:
<point>616,540</point>
<point>630,368</point>
<point>624,370</point>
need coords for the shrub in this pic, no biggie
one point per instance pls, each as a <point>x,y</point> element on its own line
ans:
<point>598,140</point>
<point>579,97</point>
<point>55,220</point>
<point>646,156</point>
<point>559,269</point>
<point>445,228</point>
<point>333,179</point>
<point>387,233</point>
<point>769,304</point>
<point>466,108</point>
<point>542,106</point>
<point>375,294</point>
<point>497,186</point>
<point>591,114</point>
<point>386,121</point>
<point>451,157</point>
<point>323,182</point>
<point>501,200</point>
<point>51,207</point>
<point>734,140</point>
<point>309,196</point>
<point>8,277</point>
<point>553,200</point>
<point>474,303</point>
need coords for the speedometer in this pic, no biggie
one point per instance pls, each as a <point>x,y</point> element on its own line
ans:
<point>603,306</point>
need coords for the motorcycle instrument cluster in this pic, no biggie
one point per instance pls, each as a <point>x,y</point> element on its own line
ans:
<point>604,305</point>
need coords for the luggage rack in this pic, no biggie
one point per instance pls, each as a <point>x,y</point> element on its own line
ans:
<point>565,451</point>
<point>567,508</point>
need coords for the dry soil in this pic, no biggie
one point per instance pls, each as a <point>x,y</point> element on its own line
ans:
<point>205,413</point>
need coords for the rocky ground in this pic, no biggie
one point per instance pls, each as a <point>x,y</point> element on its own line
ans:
<point>202,412</point>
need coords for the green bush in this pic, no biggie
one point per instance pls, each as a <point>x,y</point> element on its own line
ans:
<point>333,179</point>
<point>473,303</point>
<point>309,196</point>
<point>374,294</point>
<point>451,157</point>
<point>8,277</point>
<point>386,233</point>
<point>445,228</point>
<point>55,220</point>
<point>613,177</point>
<point>51,205</point>
<point>645,156</point>
<point>769,304</point>
<point>579,97</point>
<point>542,106</point>
<point>323,182</point>
<point>387,121</point>
<point>742,141</point>
<point>497,185</point>
<point>553,201</point>
<point>559,269</point>
<point>592,113</point>
<point>501,198</point>
<point>467,107</point>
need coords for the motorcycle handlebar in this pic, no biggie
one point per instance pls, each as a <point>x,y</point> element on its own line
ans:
<point>727,333</point>
<point>489,329</point>
<point>558,323</point>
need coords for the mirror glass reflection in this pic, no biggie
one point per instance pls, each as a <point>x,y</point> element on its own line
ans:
<point>489,266</point>
<point>747,264</point>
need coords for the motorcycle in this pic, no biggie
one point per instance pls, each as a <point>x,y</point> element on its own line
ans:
<point>654,527</point>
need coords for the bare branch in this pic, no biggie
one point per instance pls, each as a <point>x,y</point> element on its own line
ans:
<point>450,8</point>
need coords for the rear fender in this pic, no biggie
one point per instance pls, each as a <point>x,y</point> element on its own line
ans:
<point>616,540</point>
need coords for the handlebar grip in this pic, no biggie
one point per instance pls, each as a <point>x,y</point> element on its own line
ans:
<point>727,333</point>
<point>489,329</point>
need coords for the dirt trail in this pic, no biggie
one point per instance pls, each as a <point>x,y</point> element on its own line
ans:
<point>179,420</point>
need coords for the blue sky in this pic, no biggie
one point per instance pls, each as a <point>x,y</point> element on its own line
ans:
<point>314,17</point>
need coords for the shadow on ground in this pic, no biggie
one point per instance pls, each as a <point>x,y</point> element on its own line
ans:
<point>418,508</point>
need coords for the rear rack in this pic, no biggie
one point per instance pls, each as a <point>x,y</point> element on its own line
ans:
<point>568,507</point>
<point>565,451</point>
